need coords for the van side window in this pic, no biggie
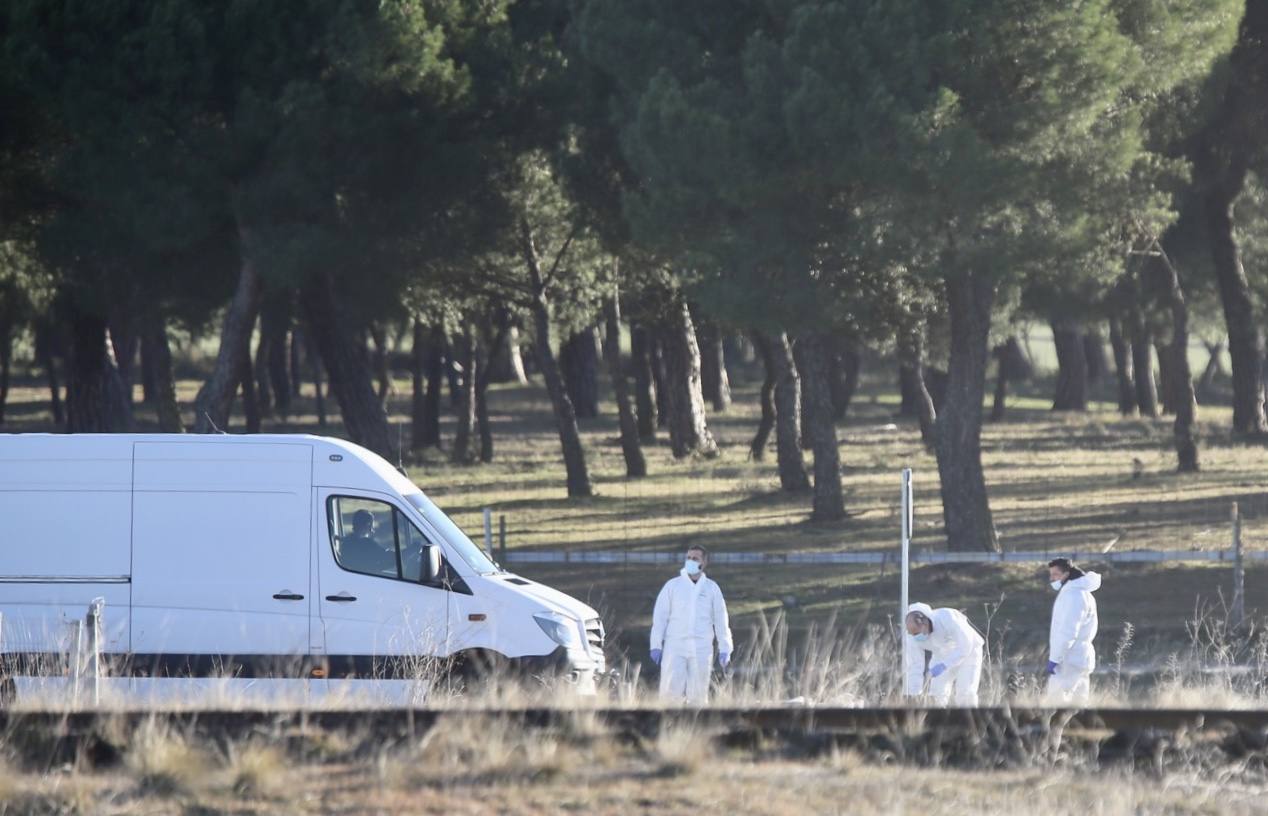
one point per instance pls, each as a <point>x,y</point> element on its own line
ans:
<point>374,538</point>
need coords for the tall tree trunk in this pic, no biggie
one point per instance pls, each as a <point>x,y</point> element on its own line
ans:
<point>124,342</point>
<point>660,380</point>
<point>90,405</point>
<point>1072,373</point>
<point>215,398</point>
<point>157,352</point>
<point>999,405</point>
<point>483,379</point>
<point>1124,374</point>
<point>344,360</point>
<point>251,410</point>
<point>688,429</point>
<point>453,374</point>
<point>1011,364</point>
<point>303,340</point>
<point>6,362</point>
<point>1245,340</point>
<point>815,348</point>
<point>260,371</point>
<point>1094,352</point>
<point>1167,386</point>
<point>149,385</point>
<point>847,363</point>
<point>465,351</point>
<point>271,355</point>
<point>908,401</point>
<point>579,363</point>
<point>506,363</point>
<point>645,397</point>
<point>578,477</point>
<point>631,448</point>
<point>1143,369</point>
<point>118,395</point>
<point>966,508</point>
<point>48,347</point>
<point>807,403</point>
<point>757,448</point>
<point>1213,368</point>
<point>1183,398</point>
<point>382,369</point>
<point>418,383</point>
<point>484,428</point>
<point>911,352</point>
<point>792,468</point>
<point>434,368</point>
<point>279,330</point>
<point>714,382</point>
<point>297,364</point>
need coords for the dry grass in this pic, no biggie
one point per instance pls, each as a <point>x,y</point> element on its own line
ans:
<point>680,749</point>
<point>473,751</point>
<point>732,786</point>
<point>166,763</point>
<point>256,770</point>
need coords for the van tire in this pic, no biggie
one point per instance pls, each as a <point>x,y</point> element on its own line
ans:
<point>478,669</point>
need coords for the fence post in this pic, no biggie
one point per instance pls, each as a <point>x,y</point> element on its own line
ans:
<point>488,531</point>
<point>94,621</point>
<point>1238,612</point>
<point>904,567</point>
<point>502,538</point>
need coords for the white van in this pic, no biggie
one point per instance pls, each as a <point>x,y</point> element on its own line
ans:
<point>265,556</point>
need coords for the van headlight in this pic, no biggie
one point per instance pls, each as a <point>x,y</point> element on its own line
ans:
<point>559,628</point>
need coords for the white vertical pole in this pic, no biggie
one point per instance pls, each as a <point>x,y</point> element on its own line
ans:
<point>904,602</point>
<point>488,531</point>
<point>94,620</point>
<point>1238,612</point>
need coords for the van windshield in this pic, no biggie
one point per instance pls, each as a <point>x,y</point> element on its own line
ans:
<point>454,536</point>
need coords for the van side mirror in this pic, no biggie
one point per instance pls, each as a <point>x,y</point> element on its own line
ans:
<point>431,564</point>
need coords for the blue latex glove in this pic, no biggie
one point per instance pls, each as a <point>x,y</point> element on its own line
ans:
<point>656,656</point>
<point>937,669</point>
<point>1052,667</point>
<point>724,658</point>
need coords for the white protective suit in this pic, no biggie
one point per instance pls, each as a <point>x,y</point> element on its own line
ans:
<point>1074,624</point>
<point>688,616</point>
<point>955,644</point>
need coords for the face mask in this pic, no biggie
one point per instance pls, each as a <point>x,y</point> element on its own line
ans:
<point>922,637</point>
<point>1056,585</point>
<point>692,567</point>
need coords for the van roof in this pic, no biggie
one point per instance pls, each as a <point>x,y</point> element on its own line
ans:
<point>119,446</point>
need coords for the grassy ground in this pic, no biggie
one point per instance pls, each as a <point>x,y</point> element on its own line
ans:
<point>476,767</point>
<point>1058,482</point>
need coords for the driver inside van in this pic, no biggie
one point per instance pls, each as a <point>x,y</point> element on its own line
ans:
<point>361,552</point>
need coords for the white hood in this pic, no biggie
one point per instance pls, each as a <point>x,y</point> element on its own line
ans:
<point>551,599</point>
<point>923,608</point>
<point>1090,581</point>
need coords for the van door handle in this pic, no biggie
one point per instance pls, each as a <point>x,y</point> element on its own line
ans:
<point>287,596</point>
<point>343,596</point>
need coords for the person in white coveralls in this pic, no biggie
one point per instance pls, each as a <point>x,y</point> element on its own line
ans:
<point>1071,654</point>
<point>954,650</point>
<point>690,614</point>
